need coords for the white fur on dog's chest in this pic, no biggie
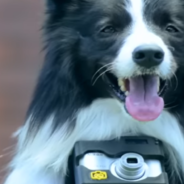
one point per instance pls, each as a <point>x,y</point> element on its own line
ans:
<point>104,119</point>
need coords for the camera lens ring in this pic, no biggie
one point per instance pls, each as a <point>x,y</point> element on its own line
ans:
<point>133,170</point>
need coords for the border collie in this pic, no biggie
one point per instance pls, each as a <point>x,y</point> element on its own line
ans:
<point>112,68</point>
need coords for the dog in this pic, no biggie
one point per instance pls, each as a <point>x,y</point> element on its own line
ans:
<point>112,68</point>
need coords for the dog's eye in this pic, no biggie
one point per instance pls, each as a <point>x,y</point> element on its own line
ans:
<point>172,29</point>
<point>108,30</point>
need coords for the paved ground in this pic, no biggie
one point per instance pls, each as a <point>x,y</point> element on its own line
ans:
<point>20,61</point>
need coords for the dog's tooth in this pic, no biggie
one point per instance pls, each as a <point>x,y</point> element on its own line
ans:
<point>120,82</point>
<point>127,93</point>
<point>123,88</point>
<point>121,85</point>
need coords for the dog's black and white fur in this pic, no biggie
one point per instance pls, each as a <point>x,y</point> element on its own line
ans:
<point>89,45</point>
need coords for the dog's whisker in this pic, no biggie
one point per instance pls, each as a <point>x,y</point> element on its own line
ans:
<point>172,107</point>
<point>163,88</point>
<point>168,104</point>
<point>107,65</point>
<point>176,81</point>
<point>170,48</point>
<point>109,69</point>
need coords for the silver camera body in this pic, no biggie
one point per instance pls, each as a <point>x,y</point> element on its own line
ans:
<point>128,160</point>
<point>129,167</point>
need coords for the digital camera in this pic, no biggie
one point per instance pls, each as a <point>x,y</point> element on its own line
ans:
<point>128,160</point>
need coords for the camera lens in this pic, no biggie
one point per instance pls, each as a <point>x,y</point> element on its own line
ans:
<point>132,160</point>
<point>130,166</point>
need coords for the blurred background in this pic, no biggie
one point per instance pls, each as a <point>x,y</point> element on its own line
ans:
<point>20,62</point>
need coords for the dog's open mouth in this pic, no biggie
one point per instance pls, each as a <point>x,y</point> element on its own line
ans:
<point>140,94</point>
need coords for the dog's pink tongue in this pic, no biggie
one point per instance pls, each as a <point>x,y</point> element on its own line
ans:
<point>143,102</point>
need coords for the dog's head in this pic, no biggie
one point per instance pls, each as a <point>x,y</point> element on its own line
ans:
<point>125,49</point>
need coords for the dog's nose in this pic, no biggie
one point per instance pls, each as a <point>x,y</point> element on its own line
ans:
<point>148,56</point>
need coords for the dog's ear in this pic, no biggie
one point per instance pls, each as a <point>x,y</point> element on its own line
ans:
<point>55,4</point>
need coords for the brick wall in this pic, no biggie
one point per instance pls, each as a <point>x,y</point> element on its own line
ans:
<point>20,61</point>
